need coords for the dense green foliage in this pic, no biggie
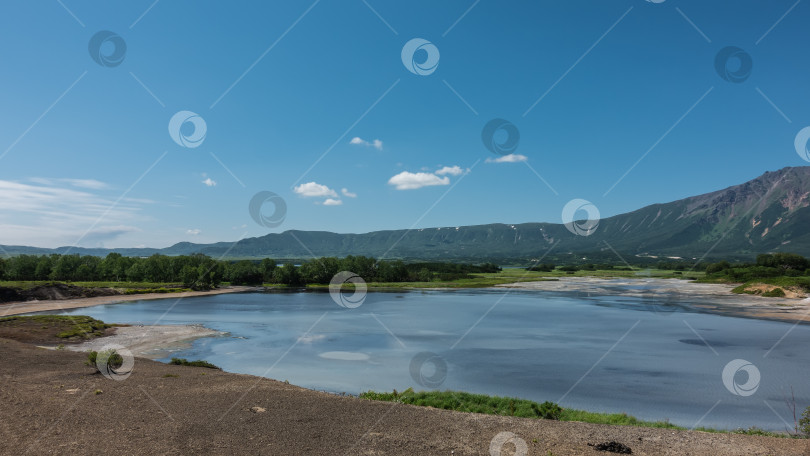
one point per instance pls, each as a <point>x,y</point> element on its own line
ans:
<point>201,272</point>
<point>194,271</point>
<point>780,269</point>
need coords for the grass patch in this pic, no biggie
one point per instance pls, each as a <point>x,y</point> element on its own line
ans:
<point>775,293</point>
<point>512,275</point>
<point>510,406</point>
<point>171,376</point>
<point>796,283</point>
<point>802,283</point>
<point>59,326</point>
<point>198,363</point>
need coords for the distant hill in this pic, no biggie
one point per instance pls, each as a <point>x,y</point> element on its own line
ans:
<point>767,214</point>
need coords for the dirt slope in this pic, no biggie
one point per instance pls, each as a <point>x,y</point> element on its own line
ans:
<point>50,406</point>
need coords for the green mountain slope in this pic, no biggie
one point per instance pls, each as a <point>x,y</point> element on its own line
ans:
<point>767,214</point>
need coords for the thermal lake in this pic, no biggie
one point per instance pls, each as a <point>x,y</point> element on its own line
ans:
<point>607,353</point>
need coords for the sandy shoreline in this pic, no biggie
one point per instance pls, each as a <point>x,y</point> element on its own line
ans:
<point>151,342</point>
<point>667,295</point>
<point>17,308</point>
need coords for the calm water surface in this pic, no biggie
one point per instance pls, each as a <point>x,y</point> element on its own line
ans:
<point>606,353</point>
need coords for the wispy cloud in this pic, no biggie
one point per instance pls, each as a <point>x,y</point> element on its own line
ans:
<point>314,190</point>
<point>57,212</point>
<point>194,232</point>
<point>209,182</point>
<point>358,141</point>
<point>90,184</point>
<point>347,193</point>
<point>511,158</point>
<point>332,202</point>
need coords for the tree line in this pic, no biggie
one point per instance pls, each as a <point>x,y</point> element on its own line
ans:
<point>202,272</point>
<point>766,265</point>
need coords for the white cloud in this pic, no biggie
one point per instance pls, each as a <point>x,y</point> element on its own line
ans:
<point>451,170</point>
<point>332,202</point>
<point>347,193</point>
<point>410,181</point>
<point>511,158</point>
<point>194,232</point>
<point>358,141</point>
<point>209,182</point>
<point>313,189</point>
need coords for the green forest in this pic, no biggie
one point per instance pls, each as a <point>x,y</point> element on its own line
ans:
<point>202,272</point>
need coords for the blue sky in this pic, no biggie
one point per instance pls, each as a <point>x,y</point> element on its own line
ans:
<point>285,87</point>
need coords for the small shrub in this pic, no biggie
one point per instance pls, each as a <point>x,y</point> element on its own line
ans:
<point>804,422</point>
<point>114,359</point>
<point>775,293</point>
<point>198,363</point>
<point>547,410</point>
<point>170,376</point>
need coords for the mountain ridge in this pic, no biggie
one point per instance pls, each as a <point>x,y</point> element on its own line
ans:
<point>770,213</point>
